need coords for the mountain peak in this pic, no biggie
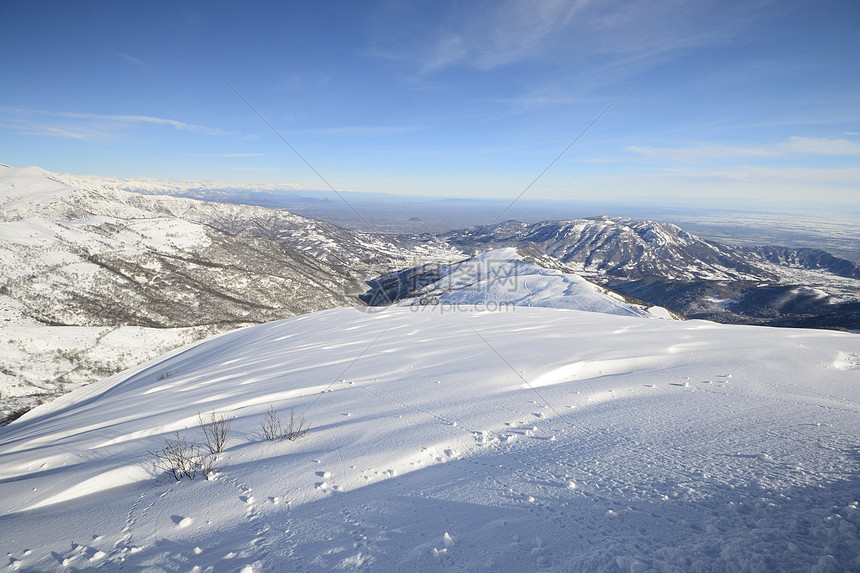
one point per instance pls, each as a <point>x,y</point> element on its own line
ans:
<point>24,188</point>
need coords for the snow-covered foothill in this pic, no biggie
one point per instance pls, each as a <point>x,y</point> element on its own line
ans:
<point>96,279</point>
<point>519,440</point>
<point>503,277</point>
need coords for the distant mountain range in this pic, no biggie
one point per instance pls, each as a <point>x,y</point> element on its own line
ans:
<point>661,264</point>
<point>96,278</point>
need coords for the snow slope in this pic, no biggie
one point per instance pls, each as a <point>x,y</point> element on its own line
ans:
<point>532,439</point>
<point>27,187</point>
<point>505,277</point>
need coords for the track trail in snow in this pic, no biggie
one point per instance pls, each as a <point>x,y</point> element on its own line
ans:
<point>645,444</point>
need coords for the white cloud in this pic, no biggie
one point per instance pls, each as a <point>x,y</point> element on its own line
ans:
<point>794,145</point>
<point>489,34</point>
<point>130,59</point>
<point>449,50</point>
<point>776,184</point>
<point>141,119</point>
<point>363,130</point>
<point>227,155</point>
<point>799,176</point>
<point>516,30</point>
<point>700,152</point>
<point>64,132</point>
<point>88,126</point>
<point>821,146</point>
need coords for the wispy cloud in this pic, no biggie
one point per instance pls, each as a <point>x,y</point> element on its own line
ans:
<point>45,130</point>
<point>489,34</point>
<point>599,160</point>
<point>227,155</point>
<point>699,152</point>
<point>544,96</point>
<point>807,176</point>
<point>363,130</point>
<point>130,59</point>
<point>142,119</point>
<point>821,146</point>
<point>88,126</point>
<point>449,49</point>
<point>778,184</point>
<point>794,145</point>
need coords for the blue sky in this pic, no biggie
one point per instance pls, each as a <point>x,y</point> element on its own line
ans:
<point>736,102</point>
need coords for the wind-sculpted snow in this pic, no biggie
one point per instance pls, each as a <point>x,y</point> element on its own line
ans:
<point>532,439</point>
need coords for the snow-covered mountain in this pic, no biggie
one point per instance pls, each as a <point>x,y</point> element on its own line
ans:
<point>501,278</point>
<point>96,279</point>
<point>658,263</point>
<point>662,264</point>
<point>519,440</point>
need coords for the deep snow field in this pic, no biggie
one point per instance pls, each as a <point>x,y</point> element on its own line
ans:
<point>534,439</point>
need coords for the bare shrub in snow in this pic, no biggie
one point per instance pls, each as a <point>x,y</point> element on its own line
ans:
<point>215,429</point>
<point>271,425</point>
<point>179,459</point>
<point>294,432</point>
<point>273,429</point>
<point>208,465</point>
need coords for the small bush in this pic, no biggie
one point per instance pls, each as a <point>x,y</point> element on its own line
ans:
<point>271,425</point>
<point>273,429</point>
<point>215,430</point>
<point>295,432</point>
<point>179,459</point>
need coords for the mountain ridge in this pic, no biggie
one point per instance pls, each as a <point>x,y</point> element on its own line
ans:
<point>661,264</point>
<point>125,268</point>
<point>110,262</point>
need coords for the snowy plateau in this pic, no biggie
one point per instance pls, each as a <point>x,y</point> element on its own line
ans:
<point>503,414</point>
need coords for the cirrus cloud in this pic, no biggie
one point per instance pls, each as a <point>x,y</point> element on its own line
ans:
<point>794,145</point>
<point>88,126</point>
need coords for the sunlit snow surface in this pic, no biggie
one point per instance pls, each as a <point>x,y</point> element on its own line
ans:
<point>502,278</point>
<point>531,439</point>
